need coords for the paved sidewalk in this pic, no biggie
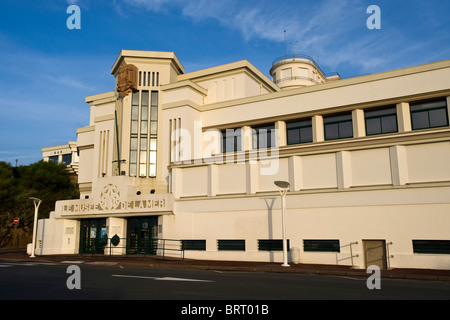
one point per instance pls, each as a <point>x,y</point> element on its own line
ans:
<point>159,262</point>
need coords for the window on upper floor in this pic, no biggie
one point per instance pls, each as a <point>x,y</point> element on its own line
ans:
<point>299,131</point>
<point>338,126</point>
<point>381,120</point>
<point>429,114</point>
<point>264,136</point>
<point>53,159</point>
<point>231,140</point>
<point>67,158</point>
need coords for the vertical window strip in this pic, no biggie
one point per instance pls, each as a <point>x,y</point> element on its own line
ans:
<point>153,133</point>
<point>143,143</point>
<point>134,133</point>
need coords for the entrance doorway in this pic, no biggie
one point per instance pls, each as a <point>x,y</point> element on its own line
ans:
<point>93,237</point>
<point>375,253</point>
<point>142,235</point>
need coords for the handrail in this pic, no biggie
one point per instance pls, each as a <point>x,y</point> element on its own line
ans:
<point>293,56</point>
<point>296,78</point>
<point>297,56</point>
<point>351,252</point>
<point>161,244</point>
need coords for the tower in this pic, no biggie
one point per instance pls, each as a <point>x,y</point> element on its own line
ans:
<point>298,70</point>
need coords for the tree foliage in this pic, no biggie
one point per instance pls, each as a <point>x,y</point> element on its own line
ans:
<point>47,181</point>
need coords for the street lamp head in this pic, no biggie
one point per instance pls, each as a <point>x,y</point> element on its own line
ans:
<point>34,199</point>
<point>282,184</point>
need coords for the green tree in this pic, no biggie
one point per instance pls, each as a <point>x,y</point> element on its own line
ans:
<point>47,181</point>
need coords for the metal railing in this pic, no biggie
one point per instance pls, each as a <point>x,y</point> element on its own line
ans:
<point>294,56</point>
<point>126,246</point>
<point>296,78</point>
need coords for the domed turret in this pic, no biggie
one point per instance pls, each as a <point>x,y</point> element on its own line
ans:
<point>298,70</point>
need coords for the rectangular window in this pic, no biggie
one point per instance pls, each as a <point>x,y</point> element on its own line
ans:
<point>193,245</point>
<point>67,158</point>
<point>231,140</point>
<point>299,131</point>
<point>338,127</point>
<point>153,132</point>
<point>134,133</point>
<point>264,136</point>
<point>381,121</point>
<point>53,159</point>
<point>321,246</point>
<point>431,246</point>
<point>231,245</point>
<point>430,114</point>
<point>271,245</point>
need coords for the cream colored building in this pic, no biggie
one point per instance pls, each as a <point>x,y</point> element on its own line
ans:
<point>66,154</point>
<point>192,158</point>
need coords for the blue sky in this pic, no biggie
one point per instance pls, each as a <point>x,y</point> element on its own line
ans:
<point>47,70</point>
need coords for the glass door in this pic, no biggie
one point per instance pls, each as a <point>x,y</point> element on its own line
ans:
<point>93,237</point>
<point>141,236</point>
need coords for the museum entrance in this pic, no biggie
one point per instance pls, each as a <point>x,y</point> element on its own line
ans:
<point>142,235</point>
<point>93,237</point>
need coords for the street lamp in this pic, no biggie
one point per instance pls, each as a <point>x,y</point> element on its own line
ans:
<point>283,185</point>
<point>36,202</point>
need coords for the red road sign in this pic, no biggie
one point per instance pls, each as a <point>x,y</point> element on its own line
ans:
<point>16,220</point>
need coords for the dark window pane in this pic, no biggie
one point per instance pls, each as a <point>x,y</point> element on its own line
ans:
<point>293,136</point>
<point>345,130</point>
<point>331,131</point>
<point>231,245</point>
<point>193,245</point>
<point>53,159</point>
<point>299,132</point>
<point>264,137</point>
<point>306,135</point>
<point>389,124</point>
<point>373,126</point>
<point>428,105</point>
<point>272,245</point>
<point>338,127</point>
<point>67,158</point>
<point>340,118</point>
<point>298,124</point>
<point>438,118</point>
<point>321,245</point>
<point>429,114</point>
<point>431,246</point>
<point>420,120</point>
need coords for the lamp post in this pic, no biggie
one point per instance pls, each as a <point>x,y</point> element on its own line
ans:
<point>283,185</point>
<point>37,203</point>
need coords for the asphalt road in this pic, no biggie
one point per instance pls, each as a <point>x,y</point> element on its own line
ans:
<point>37,281</point>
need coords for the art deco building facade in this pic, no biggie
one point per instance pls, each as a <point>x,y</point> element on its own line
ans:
<point>173,158</point>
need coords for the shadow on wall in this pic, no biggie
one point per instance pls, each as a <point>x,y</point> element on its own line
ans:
<point>269,204</point>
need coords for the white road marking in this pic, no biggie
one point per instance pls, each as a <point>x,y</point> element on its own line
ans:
<point>159,279</point>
